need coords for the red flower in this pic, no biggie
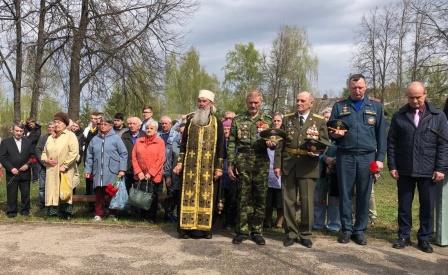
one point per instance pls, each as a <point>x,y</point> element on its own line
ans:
<point>32,160</point>
<point>373,167</point>
<point>111,190</point>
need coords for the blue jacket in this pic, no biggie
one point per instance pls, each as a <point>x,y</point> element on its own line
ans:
<point>418,151</point>
<point>106,156</point>
<point>367,127</point>
<point>171,150</point>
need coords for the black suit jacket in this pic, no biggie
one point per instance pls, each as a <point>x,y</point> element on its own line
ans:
<point>11,158</point>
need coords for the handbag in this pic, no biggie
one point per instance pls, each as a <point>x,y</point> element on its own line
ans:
<point>65,187</point>
<point>141,198</point>
<point>120,199</point>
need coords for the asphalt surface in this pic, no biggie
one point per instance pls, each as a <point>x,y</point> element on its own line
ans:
<point>68,248</point>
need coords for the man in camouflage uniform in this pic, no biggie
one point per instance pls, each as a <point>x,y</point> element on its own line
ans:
<point>248,160</point>
<point>300,168</point>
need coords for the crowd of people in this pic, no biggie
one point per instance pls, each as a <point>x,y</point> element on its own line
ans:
<point>316,171</point>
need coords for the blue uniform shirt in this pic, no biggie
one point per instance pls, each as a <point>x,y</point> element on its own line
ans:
<point>367,127</point>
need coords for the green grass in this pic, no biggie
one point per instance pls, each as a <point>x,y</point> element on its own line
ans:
<point>385,226</point>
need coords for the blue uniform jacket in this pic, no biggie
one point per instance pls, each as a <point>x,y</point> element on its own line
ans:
<point>367,127</point>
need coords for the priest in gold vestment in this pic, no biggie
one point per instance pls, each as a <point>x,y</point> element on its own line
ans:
<point>200,165</point>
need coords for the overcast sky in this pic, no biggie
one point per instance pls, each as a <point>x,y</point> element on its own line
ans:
<point>218,25</point>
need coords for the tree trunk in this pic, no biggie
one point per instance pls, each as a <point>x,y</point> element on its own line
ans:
<point>75,62</point>
<point>17,84</point>
<point>39,52</point>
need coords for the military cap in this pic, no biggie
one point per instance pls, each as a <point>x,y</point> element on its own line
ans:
<point>315,144</point>
<point>337,124</point>
<point>272,132</point>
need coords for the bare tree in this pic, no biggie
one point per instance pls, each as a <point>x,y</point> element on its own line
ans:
<point>107,30</point>
<point>366,55</point>
<point>386,36</point>
<point>289,68</point>
<point>11,58</point>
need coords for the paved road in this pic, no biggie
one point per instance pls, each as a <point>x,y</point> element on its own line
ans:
<point>47,248</point>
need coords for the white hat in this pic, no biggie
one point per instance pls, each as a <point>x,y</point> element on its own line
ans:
<point>207,94</point>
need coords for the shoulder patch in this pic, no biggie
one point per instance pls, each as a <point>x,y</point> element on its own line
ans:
<point>318,116</point>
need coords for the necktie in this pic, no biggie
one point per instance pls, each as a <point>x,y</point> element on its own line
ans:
<point>301,120</point>
<point>416,117</point>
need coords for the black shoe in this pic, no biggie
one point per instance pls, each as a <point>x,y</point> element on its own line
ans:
<point>288,242</point>
<point>424,246</point>
<point>402,243</point>
<point>25,213</point>
<point>184,235</point>
<point>239,238</point>
<point>11,215</point>
<point>306,243</point>
<point>344,238</point>
<point>359,239</point>
<point>208,235</point>
<point>258,239</point>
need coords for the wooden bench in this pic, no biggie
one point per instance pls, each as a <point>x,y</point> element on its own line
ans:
<point>83,198</point>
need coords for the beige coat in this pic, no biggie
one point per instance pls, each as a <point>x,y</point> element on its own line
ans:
<point>64,149</point>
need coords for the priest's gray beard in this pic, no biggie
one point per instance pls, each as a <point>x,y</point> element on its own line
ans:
<point>202,116</point>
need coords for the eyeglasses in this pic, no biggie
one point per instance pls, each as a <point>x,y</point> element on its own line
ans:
<point>147,112</point>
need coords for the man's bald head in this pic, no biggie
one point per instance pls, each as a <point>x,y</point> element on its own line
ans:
<point>416,94</point>
<point>304,102</point>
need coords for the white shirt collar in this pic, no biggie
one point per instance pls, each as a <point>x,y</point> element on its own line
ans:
<point>305,115</point>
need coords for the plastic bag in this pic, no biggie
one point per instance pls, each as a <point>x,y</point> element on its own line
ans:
<point>65,188</point>
<point>120,199</point>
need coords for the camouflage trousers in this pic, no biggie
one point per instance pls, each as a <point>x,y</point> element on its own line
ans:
<point>253,186</point>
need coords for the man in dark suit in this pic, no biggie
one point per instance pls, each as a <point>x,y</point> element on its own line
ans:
<point>15,153</point>
<point>300,168</point>
<point>417,154</point>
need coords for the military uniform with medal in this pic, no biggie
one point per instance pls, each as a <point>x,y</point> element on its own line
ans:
<point>306,139</point>
<point>247,153</point>
<point>358,126</point>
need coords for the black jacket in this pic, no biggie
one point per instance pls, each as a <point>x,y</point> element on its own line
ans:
<point>11,158</point>
<point>127,140</point>
<point>418,151</point>
<point>32,134</point>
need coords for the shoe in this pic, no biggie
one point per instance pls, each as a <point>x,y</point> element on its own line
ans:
<point>183,234</point>
<point>113,218</point>
<point>12,215</point>
<point>306,243</point>
<point>402,243</point>
<point>25,213</point>
<point>288,242</point>
<point>258,239</point>
<point>344,238</point>
<point>97,218</point>
<point>208,235</point>
<point>424,246</point>
<point>359,239</point>
<point>239,238</point>
<point>332,229</point>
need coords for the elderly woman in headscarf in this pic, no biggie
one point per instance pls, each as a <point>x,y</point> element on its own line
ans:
<point>59,157</point>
